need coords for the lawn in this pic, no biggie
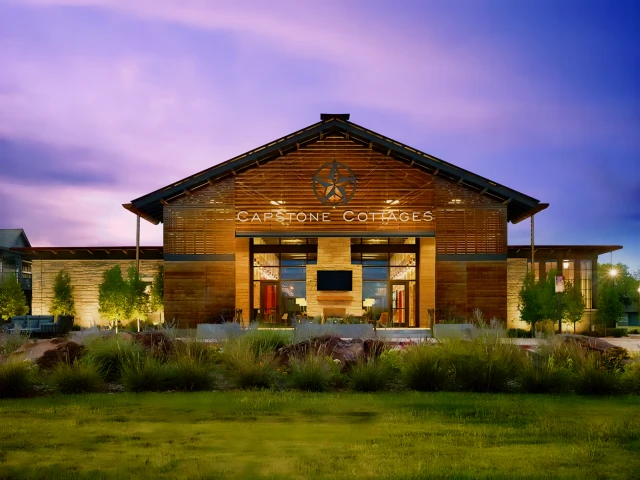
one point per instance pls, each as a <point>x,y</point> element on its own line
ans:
<point>263,434</point>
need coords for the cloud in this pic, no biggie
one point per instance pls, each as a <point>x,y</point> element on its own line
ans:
<point>41,164</point>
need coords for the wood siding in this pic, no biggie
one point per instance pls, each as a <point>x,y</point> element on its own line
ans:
<point>198,291</point>
<point>202,222</point>
<point>287,181</point>
<point>464,286</point>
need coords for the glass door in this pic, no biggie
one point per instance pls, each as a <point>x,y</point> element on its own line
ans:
<point>269,301</point>
<point>399,304</point>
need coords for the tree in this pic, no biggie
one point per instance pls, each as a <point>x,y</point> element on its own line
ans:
<point>12,299</point>
<point>537,299</point>
<point>572,304</point>
<point>63,302</point>
<point>156,299</point>
<point>113,296</point>
<point>614,291</point>
<point>138,298</point>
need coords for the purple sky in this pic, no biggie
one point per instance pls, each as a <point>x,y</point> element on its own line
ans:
<point>102,101</point>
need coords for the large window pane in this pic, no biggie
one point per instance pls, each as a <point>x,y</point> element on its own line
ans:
<point>293,273</point>
<point>375,273</point>
<point>378,292</point>
<point>586,280</point>
<point>568,270</point>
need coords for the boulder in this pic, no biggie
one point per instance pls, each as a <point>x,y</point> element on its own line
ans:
<point>590,343</point>
<point>348,352</point>
<point>47,353</point>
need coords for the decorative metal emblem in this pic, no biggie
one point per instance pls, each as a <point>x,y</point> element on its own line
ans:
<point>334,184</point>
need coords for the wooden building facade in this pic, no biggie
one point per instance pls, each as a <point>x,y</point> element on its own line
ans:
<point>421,238</point>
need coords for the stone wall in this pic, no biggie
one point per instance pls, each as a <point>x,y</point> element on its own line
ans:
<point>334,254</point>
<point>86,275</point>
<point>516,273</point>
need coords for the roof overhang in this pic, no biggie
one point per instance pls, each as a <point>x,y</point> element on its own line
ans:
<point>519,205</point>
<point>515,250</point>
<point>90,253</point>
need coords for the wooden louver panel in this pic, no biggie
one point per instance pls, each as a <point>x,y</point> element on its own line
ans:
<point>201,223</point>
<point>479,230</point>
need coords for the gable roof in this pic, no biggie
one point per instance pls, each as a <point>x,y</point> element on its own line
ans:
<point>13,237</point>
<point>519,205</point>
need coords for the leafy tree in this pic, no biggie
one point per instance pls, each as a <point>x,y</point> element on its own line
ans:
<point>156,300</point>
<point>537,299</point>
<point>138,298</point>
<point>113,296</point>
<point>614,291</point>
<point>572,304</point>
<point>63,302</point>
<point>12,299</point>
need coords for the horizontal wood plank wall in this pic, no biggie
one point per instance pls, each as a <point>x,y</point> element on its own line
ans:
<point>451,291</point>
<point>462,287</point>
<point>487,289</point>
<point>427,280</point>
<point>198,292</point>
<point>86,276</point>
<point>202,222</point>
<point>287,181</point>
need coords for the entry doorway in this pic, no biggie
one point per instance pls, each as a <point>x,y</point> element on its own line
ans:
<point>269,301</point>
<point>400,304</point>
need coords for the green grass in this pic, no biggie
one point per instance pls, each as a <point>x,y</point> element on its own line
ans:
<point>264,434</point>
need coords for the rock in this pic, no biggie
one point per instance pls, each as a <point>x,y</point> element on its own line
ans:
<point>590,343</point>
<point>47,353</point>
<point>348,352</point>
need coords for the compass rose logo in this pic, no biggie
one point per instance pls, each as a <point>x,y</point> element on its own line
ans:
<point>334,184</point>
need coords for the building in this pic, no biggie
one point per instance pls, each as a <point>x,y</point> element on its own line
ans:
<point>332,220</point>
<point>13,263</point>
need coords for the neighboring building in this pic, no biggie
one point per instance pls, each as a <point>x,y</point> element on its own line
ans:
<point>12,262</point>
<point>408,238</point>
<point>85,266</point>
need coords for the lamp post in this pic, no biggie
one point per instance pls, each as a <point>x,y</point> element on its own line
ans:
<point>613,273</point>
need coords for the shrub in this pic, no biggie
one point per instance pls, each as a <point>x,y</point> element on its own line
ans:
<point>546,377</point>
<point>593,378</point>
<point>485,364</point>
<point>630,378</point>
<point>311,373</point>
<point>518,333</point>
<point>545,328</point>
<point>78,377</point>
<point>566,354</point>
<point>17,380</point>
<point>145,374</point>
<point>618,332</point>
<point>109,355</point>
<point>12,341</point>
<point>199,352</point>
<point>267,341</point>
<point>370,376</point>
<point>613,359</point>
<point>426,368</point>
<point>246,369</point>
<point>189,375</point>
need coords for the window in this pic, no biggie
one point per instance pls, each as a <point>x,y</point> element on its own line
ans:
<point>586,280</point>
<point>568,270</point>
<point>550,265</point>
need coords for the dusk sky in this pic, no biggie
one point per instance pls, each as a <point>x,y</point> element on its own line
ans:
<point>103,101</point>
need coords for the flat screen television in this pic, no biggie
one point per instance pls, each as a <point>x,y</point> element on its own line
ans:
<point>334,280</point>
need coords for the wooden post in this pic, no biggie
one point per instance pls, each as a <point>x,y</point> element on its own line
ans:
<point>533,263</point>
<point>138,243</point>
<point>138,255</point>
